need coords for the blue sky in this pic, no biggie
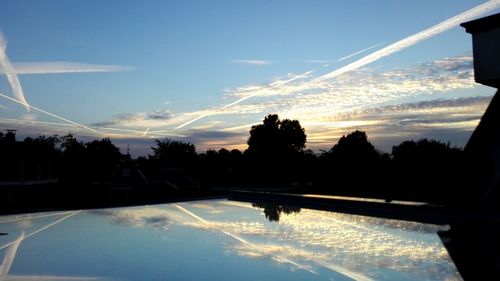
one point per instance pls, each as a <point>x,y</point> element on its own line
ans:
<point>161,64</point>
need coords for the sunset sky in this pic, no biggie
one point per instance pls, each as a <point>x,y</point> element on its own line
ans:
<point>206,71</point>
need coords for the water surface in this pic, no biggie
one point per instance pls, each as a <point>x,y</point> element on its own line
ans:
<point>218,240</point>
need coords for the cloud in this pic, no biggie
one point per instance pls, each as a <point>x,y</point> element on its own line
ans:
<point>360,90</point>
<point>251,62</point>
<point>63,67</point>
<point>253,91</point>
<point>142,119</point>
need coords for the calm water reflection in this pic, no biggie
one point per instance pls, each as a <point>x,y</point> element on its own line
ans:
<point>217,240</point>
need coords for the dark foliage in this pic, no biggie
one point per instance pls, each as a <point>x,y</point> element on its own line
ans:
<point>275,137</point>
<point>429,167</point>
<point>171,153</point>
<point>275,152</point>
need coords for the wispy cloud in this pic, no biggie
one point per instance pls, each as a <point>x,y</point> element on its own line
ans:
<point>142,119</point>
<point>63,67</point>
<point>359,90</point>
<point>253,91</point>
<point>251,62</point>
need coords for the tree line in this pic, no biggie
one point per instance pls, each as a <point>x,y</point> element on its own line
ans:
<point>276,158</point>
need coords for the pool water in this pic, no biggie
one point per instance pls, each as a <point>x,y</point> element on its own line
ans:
<point>218,240</point>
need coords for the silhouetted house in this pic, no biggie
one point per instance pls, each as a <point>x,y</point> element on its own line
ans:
<point>128,174</point>
<point>127,182</point>
<point>483,147</point>
<point>475,247</point>
<point>130,181</point>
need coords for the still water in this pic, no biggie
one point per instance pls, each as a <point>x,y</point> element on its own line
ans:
<point>217,240</point>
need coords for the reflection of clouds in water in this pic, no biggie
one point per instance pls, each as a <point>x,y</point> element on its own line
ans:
<point>356,246</point>
<point>247,228</point>
<point>139,217</point>
<point>359,248</point>
<point>345,243</point>
<point>377,223</point>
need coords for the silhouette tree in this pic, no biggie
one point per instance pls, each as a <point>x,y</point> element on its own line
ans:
<point>173,153</point>
<point>429,169</point>
<point>74,162</point>
<point>11,163</point>
<point>353,165</point>
<point>276,137</point>
<point>103,157</point>
<point>355,146</point>
<point>274,150</point>
<point>40,156</point>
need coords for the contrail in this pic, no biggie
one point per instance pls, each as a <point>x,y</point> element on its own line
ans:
<point>145,133</point>
<point>11,75</point>
<point>33,122</point>
<point>360,51</point>
<point>301,76</point>
<point>53,115</point>
<point>193,120</point>
<point>149,132</point>
<point>161,133</point>
<point>414,39</point>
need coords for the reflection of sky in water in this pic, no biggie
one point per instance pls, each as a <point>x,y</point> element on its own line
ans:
<point>218,240</point>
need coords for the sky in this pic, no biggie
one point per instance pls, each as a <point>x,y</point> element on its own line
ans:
<point>206,71</point>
